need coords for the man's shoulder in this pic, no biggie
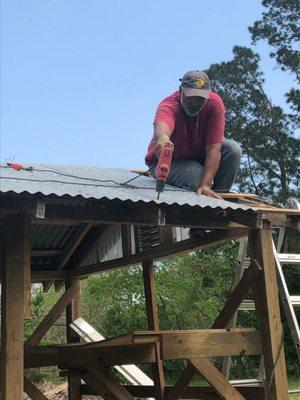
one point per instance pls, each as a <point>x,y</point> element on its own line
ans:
<point>215,102</point>
<point>171,101</point>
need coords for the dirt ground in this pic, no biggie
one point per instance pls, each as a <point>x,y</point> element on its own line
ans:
<point>59,393</point>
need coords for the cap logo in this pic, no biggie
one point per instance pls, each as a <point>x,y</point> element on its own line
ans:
<point>200,82</point>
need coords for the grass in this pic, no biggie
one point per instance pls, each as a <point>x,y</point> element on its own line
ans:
<point>294,383</point>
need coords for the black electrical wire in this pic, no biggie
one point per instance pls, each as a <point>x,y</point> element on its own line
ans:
<point>120,184</point>
<point>89,184</point>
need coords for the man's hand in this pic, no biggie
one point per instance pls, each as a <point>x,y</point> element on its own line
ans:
<point>205,189</point>
<point>160,145</point>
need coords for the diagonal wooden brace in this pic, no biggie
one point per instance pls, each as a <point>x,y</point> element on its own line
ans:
<point>33,391</point>
<point>51,317</point>
<point>104,382</point>
<point>216,379</point>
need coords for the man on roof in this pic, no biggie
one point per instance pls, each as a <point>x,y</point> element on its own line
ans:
<point>193,121</point>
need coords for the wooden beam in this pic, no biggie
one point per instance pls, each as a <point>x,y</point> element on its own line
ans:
<point>117,355</point>
<point>211,343</point>
<point>69,249</point>
<point>267,306</point>
<point>15,262</point>
<point>94,239</point>
<point>153,215</point>
<point>153,324</point>
<point>33,391</point>
<point>216,379</point>
<point>98,387</point>
<point>192,392</point>
<point>50,275</point>
<point>44,253</point>
<point>51,317</point>
<point>72,313</point>
<point>160,252</point>
<point>126,240</point>
<point>41,356</point>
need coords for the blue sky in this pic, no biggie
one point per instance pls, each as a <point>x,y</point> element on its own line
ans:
<point>81,80</point>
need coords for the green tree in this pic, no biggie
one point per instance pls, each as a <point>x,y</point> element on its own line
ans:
<point>269,166</point>
<point>279,26</point>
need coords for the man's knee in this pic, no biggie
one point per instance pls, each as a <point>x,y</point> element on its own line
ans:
<point>232,149</point>
<point>186,174</point>
<point>194,173</point>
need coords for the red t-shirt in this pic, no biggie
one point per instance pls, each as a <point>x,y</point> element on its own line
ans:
<point>190,135</point>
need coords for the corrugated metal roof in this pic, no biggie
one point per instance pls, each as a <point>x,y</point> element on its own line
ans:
<point>100,183</point>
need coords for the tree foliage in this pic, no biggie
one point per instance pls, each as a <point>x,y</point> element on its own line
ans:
<point>269,166</point>
<point>279,26</point>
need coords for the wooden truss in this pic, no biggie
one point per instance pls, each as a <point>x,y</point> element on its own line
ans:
<point>92,362</point>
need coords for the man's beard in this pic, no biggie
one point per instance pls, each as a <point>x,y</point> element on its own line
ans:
<point>191,113</point>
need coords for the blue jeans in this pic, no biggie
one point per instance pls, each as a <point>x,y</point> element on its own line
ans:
<point>187,174</point>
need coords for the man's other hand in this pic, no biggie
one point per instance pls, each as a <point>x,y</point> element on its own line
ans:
<point>205,189</point>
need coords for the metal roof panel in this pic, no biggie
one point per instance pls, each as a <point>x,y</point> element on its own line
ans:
<point>100,183</point>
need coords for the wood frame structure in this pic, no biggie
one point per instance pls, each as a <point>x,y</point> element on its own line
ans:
<point>89,225</point>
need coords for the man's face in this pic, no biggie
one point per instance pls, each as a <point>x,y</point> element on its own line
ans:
<point>192,105</point>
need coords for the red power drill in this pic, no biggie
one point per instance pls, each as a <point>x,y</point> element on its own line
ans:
<point>163,167</point>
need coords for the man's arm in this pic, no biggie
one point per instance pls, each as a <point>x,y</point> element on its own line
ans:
<point>212,162</point>
<point>162,134</point>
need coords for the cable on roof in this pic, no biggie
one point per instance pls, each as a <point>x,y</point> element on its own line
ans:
<point>120,184</point>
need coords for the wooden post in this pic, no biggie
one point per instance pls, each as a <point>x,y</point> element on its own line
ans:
<point>152,318</point>
<point>267,306</point>
<point>126,240</point>
<point>15,265</point>
<point>72,313</point>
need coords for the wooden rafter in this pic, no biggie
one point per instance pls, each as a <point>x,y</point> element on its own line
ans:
<point>70,248</point>
<point>159,252</point>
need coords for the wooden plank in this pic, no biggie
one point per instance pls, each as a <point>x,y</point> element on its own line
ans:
<point>117,355</point>
<point>192,392</point>
<point>15,254</point>
<point>51,317</point>
<point>211,343</point>
<point>33,391</point>
<point>112,213</point>
<point>153,324</point>
<point>108,381</point>
<point>40,276</point>
<point>72,313</point>
<point>44,253</point>
<point>69,249</point>
<point>267,306</point>
<point>126,240</point>
<point>238,294</point>
<point>216,379</point>
<point>41,356</point>
<point>159,252</point>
